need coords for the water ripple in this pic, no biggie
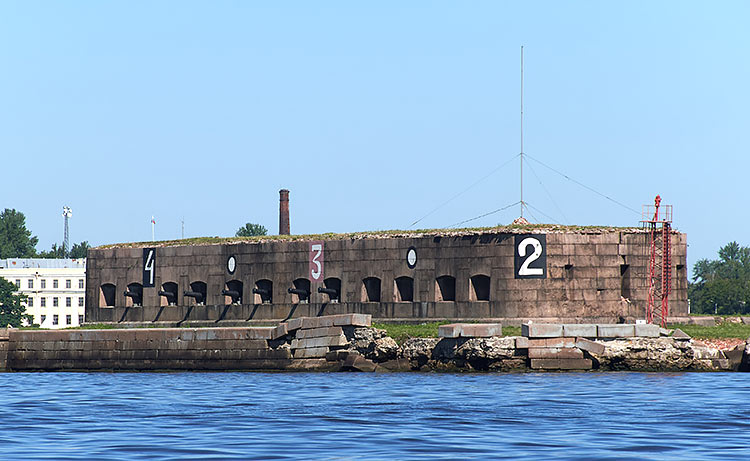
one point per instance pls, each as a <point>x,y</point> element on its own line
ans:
<point>367,416</point>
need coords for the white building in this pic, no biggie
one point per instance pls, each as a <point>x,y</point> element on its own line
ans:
<point>56,288</point>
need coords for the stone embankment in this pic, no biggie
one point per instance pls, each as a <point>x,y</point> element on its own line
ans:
<point>348,342</point>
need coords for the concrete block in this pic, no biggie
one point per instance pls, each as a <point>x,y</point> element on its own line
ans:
<point>703,321</point>
<point>555,353</point>
<point>745,320</point>
<point>647,330</point>
<point>259,332</point>
<point>294,324</point>
<point>551,342</point>
<point>590,346</point>
<point>561,364</point>
<point>355,320</point>
<point>522,342</point>
<point>481,330</point>
<point>319,332</point>
<point>541,330</point>
<point>313,352</point>
<point>615,330</point>
<point>324,341</point>
<point>452,330</point>
<point>279,331</point>
<point>680,335</point>
<point>580,330</point>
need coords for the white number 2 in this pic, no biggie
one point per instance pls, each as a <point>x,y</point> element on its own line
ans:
<point>319,249</point>
<point>149,266</point>
<point>525,269</point>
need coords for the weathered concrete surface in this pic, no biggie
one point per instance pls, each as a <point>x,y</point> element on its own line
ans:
<point>541,330</point>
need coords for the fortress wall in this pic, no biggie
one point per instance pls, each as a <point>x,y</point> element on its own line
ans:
<point>587,276</point>
<point>144,349</point>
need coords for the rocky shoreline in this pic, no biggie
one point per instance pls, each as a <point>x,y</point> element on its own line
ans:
<point>503,354</point>
<point>348,342</point>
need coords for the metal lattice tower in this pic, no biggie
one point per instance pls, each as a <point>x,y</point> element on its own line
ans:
<point>67,213</point>
<point>657,220</point>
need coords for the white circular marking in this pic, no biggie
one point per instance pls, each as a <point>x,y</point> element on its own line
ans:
<point>231,264</point>
<point>411,257</point>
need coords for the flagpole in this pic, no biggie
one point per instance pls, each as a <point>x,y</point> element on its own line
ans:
<point>153,222</point>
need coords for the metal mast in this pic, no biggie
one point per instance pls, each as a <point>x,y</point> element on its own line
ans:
<point>67,213</point>
<point>522,204</point>
<point>659,226</point>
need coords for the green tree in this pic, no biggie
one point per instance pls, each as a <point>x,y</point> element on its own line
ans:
<point>12,312</point>
<point>722,286</point>
<point>15,240</point>
<point>79,250</point>
<point>250,230</point>
<point>55,252</point>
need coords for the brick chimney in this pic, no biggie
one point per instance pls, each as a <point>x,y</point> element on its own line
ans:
<point>284,212</point>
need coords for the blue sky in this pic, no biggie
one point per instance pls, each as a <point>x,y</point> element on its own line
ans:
<point>372,114</point>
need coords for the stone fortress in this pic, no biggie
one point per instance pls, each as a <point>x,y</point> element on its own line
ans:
<point>509,274</point>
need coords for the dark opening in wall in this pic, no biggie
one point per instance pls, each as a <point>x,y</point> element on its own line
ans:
<point>445,288</point>
<point>134,295</point>
<point>107,295</point>
<point>403,290</point>
<point>479,288</point>
<point>233,292</point>
<point>625,281</point>
<point>371,290</point>
<point>263,292</point>
<point>681,277</point>
<point>168,294</point>
<point>197,292</point>
<point>568,271</point>
<point>301,291</point>
<point>332,288</point>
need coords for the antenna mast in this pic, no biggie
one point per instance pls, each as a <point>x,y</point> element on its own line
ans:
<point>522,203</point>
<point>67,213</point>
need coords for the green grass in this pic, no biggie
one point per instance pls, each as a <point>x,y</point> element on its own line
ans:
<point>401,331</point>
<point>367,234</point>
<point>724,330</point>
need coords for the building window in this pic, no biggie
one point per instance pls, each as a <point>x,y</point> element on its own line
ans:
<point>31,283</point>
<point>370,292</point>
<point>80,302</point>
<point>68,284</point>
<point>42,319</point>
<point>80,284</point>
<point>445,288</point>
<point>30,302</point>
<point>18,283</point>
<point>54,283</point>
<point>43,302</point>
<point>44,283</point>
<point>55,302</point>
<point>68,319</point>
<point>80,320</point>
<point>55,319</point>
<point>68,302</point>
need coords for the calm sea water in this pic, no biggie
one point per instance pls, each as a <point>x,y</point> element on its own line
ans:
<point>368,416</point>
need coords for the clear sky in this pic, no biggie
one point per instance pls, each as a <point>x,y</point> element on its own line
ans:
<point>372,114</point>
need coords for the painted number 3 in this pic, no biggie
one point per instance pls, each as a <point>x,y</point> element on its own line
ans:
<point>316,249</point>
<point>525,269</point>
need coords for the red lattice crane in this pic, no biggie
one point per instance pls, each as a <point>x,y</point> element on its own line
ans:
<point>657,220</point>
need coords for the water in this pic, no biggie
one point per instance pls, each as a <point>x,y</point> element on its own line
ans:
<point>368,416</point>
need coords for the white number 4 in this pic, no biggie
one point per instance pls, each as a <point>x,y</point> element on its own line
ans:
<point>149,266</point>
